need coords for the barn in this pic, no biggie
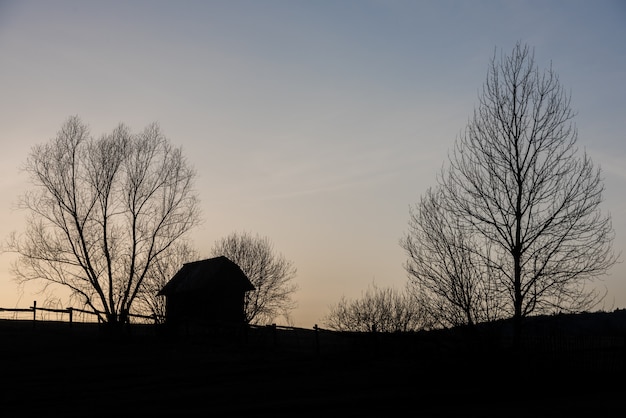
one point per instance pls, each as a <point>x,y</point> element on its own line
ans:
<point>206,293</point>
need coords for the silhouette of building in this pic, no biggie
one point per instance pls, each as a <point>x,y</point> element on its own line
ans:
<point>206,295</point>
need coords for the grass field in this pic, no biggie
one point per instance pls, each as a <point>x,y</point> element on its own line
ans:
<point>52,370</point>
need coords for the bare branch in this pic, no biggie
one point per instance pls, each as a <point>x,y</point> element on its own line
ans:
<point>520,199</point>
<point>271,274</point>
<point>102,211</point>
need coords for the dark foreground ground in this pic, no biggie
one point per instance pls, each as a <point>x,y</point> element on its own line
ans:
<point>51,373</point>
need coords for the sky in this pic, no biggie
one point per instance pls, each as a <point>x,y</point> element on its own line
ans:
<point>314,123</point>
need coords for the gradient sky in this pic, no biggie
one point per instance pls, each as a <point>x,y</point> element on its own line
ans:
<point>314,123</point>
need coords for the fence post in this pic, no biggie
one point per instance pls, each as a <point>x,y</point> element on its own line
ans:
<point>375,338</point>
<point>274,335</point>
<point>34,312</point>
<point>317,339</point>
<point>70,311</point>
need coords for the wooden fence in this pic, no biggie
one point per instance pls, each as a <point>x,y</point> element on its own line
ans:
<point>557,352</point>
<point>551,350</point>
<point>71,314</point>
<point>275,337</point>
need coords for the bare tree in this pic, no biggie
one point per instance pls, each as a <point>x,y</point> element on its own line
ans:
<point>102,213</point>
<point>445,266</point>
<point>271,274</point>
<point>378,309</point>
<point>162,270</point>
<point>518,182</point>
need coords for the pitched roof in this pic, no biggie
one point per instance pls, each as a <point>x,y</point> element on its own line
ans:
<point>207,274</point>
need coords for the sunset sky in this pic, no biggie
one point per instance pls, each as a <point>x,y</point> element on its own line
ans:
<point>314,123</point>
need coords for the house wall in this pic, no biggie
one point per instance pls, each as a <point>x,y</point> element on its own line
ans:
<point>196,307</point>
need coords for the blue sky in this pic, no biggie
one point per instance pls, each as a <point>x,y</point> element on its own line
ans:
<point>315,123</point>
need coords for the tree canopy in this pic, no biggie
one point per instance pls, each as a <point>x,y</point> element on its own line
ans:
<point>269,271</point>
<point>103,212</point>
<point>518,206</point>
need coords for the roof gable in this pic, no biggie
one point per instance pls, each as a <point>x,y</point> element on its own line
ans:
<point>212,273</point>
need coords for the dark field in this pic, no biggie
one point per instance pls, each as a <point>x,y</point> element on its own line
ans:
<point>52,370</point>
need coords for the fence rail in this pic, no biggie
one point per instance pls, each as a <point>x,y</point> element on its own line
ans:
<point>71,311</point>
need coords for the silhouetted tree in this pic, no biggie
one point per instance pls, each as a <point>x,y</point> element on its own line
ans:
<point>446,269</point>
<point>378,309</point>
<point>270,272</point>
<point>517,183</point>
<point>162,270</point>
<point>102,213</point>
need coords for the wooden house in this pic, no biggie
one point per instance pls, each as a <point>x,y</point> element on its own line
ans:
<point>205,293</point>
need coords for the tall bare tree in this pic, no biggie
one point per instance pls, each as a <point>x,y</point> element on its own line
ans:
<point>517,181</point>
<point>378,309</point>
<point>446,266</point>
<point>270,272</point>
<point>102,213</point>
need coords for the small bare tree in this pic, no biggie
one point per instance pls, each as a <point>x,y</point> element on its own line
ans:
<point>378,309</point>
<point>102,213</point>
<point>517,182</point>
<point>446,266</point>
<point>271,274</point>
